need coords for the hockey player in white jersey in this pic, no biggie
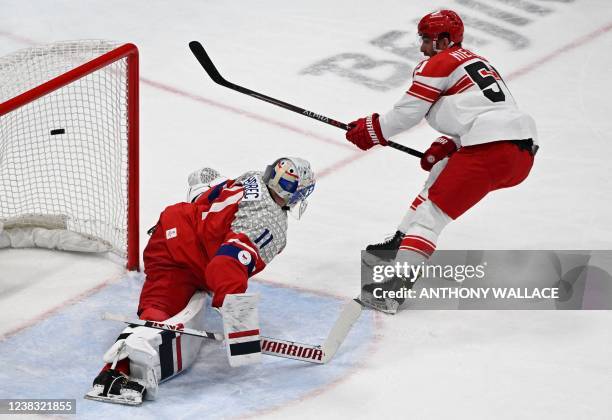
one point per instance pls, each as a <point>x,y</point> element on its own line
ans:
<point>226,232</point>
<point>487,142</point>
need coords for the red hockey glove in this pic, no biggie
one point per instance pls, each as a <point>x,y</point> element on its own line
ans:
<point>442,147</point>
<point>365,132</point>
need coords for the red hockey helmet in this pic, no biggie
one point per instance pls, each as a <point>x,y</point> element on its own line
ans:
<point>435,23</point>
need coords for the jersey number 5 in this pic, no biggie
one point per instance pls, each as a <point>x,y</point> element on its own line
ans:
<point>483,77</point>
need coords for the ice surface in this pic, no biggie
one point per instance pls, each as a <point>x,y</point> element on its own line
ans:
<point>427,364</point>
<point>60,356</point>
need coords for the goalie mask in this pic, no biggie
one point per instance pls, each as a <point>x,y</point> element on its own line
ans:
<point>293,181</point>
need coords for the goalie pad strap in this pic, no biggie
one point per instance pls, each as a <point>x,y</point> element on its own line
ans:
<point>166,355</point>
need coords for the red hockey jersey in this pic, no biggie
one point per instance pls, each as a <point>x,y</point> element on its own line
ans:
<point>463,96</point>
<point>228,234</point>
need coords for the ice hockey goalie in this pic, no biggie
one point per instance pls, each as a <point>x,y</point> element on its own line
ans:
<point>227,231</point>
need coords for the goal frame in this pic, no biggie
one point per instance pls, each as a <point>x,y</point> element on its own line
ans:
<point>130,53</point>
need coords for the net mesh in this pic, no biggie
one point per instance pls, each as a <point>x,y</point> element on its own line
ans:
<point>66,152</point>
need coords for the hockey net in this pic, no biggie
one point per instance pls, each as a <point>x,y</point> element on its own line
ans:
<point>69,146</point>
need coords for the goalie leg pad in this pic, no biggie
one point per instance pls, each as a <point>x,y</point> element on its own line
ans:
<point>241,328</point>
<point>156,356</point>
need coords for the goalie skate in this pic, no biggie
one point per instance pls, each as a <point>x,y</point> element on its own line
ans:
<point>114,387</point>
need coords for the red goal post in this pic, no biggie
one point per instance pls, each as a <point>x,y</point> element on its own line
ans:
<point>69,143</point>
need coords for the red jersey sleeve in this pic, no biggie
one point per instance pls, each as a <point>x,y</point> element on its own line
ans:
<point>431,78</point>
<point>229,270</point>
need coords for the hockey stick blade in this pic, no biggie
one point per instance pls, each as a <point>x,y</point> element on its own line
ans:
<point>349,315</point>
<point>200,54</point>
<point>271,346</point>
<point>204,59</point>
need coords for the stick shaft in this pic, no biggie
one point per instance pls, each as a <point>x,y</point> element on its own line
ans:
<point>178,328</point>
<point>202,56</point>
<point>270,346</point>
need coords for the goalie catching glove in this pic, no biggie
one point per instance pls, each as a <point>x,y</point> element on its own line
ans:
<point>201,180</point>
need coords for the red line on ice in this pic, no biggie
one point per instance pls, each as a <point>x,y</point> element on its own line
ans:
<point>244,113</point>
<point>18,38</point>
<point>48,313</point>
<point>568,47</point>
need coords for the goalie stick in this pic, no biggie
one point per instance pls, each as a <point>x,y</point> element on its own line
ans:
<point>202,56</point>
<point>271,346</point>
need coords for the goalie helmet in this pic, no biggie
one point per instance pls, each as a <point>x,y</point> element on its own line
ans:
<point>439,22</point>
<point>292,180</point>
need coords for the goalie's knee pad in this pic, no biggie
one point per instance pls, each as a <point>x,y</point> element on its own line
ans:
<point>157,355</point>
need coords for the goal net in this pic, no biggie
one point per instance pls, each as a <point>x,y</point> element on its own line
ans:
<point>69,147</point>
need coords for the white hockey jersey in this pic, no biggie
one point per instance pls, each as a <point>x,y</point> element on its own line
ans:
<point>462,96</point>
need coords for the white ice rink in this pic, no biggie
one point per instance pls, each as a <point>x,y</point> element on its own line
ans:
<point>555,57</point>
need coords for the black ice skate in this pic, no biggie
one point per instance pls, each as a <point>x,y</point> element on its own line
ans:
<point>373,298</point>
<point>384,251</point>
<point>114,387</point>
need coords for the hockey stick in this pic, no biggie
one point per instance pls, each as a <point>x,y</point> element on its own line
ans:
<point>180,328</point>
<point>200,53</point>
<point>270,346</point>
<point>349,315</point>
